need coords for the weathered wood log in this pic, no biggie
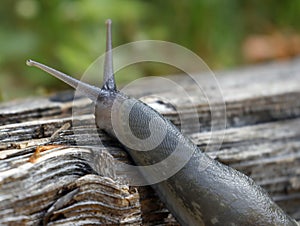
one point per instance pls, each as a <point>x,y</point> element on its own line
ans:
<point>70,184</point>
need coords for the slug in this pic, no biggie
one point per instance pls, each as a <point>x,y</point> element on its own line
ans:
<point>216,195</point>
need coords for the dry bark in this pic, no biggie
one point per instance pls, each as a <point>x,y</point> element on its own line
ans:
<point>76,181</point>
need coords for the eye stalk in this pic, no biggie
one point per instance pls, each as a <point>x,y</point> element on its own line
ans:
<point>108,77</point>
<point>88,90</point>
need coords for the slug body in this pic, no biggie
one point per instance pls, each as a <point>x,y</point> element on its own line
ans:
<point>214,195</point>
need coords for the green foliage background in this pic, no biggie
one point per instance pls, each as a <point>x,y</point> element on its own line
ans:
<point>70,34</point>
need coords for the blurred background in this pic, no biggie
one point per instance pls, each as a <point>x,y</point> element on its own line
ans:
<point>70,34</point>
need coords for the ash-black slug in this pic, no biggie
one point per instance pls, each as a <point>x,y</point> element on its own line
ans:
<point>216,195</point>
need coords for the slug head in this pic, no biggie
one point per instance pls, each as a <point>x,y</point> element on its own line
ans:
<point>104,97</point>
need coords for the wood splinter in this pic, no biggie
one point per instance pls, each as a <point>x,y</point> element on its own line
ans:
<point>37,153</point>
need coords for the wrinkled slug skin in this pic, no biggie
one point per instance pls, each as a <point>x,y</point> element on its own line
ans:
<point>204,191</point>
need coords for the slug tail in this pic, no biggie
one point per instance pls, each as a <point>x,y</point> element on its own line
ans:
<point>109,77</point>
<point>90,91</point>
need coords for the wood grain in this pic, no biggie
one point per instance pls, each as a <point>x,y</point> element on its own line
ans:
<point>77,182</point>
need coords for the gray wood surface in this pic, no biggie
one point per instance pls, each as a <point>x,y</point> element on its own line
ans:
<point>72,179</point>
